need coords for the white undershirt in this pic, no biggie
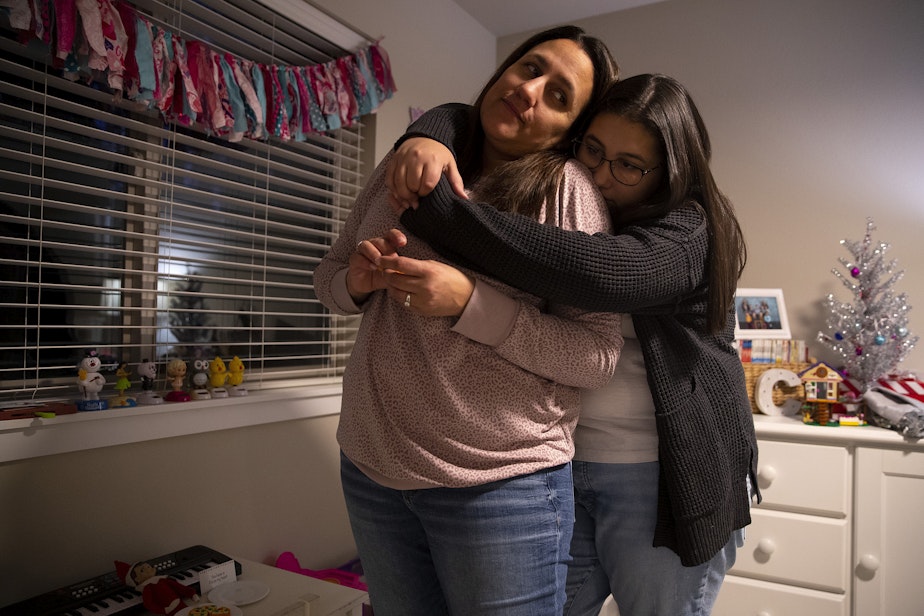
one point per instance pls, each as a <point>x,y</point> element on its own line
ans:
<point>617,422</point>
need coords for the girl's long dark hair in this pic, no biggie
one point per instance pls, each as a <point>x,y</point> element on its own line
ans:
<point>665,107</point>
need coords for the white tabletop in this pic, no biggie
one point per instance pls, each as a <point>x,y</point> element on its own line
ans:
<point>292,594</point>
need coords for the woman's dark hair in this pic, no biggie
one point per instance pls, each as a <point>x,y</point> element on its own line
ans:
<point>605,71</point>
<point>666,109</point>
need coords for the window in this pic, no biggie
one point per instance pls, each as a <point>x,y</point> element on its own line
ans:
<point>145,240</point>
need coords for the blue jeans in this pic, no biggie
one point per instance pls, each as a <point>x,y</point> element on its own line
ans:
<point>495,549</point>
<point>616,509</point>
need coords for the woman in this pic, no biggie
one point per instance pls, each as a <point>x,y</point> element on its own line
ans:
<point>457,438</point>
<point>665,451</point>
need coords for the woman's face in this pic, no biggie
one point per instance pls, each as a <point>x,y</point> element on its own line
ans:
<point>534,102</point>
<point>630,145</point>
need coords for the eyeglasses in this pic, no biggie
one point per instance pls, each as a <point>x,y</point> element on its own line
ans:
<point>623,171</point>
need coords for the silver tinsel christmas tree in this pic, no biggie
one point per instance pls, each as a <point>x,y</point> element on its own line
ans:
<point>870,334</point>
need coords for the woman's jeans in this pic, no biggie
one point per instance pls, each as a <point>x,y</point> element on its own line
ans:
<point>616,510</point>
<point>498,549</point>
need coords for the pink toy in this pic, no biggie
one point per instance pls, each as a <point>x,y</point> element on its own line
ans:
<point>288,562</point>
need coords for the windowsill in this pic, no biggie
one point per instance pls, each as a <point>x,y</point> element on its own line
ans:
<point>29,438</point>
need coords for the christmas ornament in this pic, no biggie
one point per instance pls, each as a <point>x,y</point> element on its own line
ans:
<point>855,330</point>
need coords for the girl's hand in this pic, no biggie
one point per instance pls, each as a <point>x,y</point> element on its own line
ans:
<point>428,288</point>
<point>415,169</point>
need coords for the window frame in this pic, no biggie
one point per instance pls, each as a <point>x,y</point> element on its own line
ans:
<point>289,397</point>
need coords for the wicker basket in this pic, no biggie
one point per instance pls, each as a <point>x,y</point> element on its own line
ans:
<point>752,373</point>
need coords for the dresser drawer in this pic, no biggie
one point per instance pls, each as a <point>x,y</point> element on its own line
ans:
<point>807,551</point>
<point>805,478</point>
<point>746,597</point>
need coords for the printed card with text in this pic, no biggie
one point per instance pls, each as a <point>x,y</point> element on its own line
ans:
<point>216,576</point>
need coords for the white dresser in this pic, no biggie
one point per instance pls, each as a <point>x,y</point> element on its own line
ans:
<point>840,531</point>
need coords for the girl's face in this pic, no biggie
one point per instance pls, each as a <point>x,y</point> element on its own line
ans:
<point>534,102</point>
<point>632,147</point>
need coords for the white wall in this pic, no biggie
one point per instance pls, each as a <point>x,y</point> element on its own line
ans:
<point>438,53</point>
<point>252,492</point>
<point>814,109</point>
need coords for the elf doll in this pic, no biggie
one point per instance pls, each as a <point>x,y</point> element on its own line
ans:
<point>160,594</point>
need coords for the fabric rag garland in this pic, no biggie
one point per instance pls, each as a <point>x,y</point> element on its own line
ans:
<point>188,82</point>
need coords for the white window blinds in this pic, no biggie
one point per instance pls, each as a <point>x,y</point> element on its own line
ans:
<point>145,240</point>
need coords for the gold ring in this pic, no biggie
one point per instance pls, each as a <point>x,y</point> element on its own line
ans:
<point>407,301</point>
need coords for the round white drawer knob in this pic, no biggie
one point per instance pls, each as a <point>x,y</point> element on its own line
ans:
<point>766,474</point>
<point>869,562</point>
<point>767,546</point>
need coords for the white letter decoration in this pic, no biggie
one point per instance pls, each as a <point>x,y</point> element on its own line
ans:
<point>763,392</point>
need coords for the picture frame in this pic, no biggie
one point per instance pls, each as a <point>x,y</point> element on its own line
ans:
<point>760,313</point>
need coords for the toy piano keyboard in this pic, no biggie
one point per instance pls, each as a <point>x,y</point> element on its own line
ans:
<point>107,594</point>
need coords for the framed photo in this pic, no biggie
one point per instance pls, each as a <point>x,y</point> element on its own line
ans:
<point>761,313</point>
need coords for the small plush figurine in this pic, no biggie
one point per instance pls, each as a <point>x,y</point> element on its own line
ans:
<point>148,371</point>
<point>218,376</point>
<point>200,380</point>
<point>176,372</point>
<point>236,377</point>
<point>121,385</point>
<point>90,382</point>
<point>160,594</point>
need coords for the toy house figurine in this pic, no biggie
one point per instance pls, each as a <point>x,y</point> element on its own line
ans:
<point>90,382</point>
<point>820,382</point>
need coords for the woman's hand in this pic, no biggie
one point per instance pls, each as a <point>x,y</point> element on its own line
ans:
<point>429,288</point>
<point>415,169</point>
<point>364,274</point>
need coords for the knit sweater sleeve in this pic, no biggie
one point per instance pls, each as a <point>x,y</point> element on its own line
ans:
<point>449,124</point>
<point>650,267</point>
